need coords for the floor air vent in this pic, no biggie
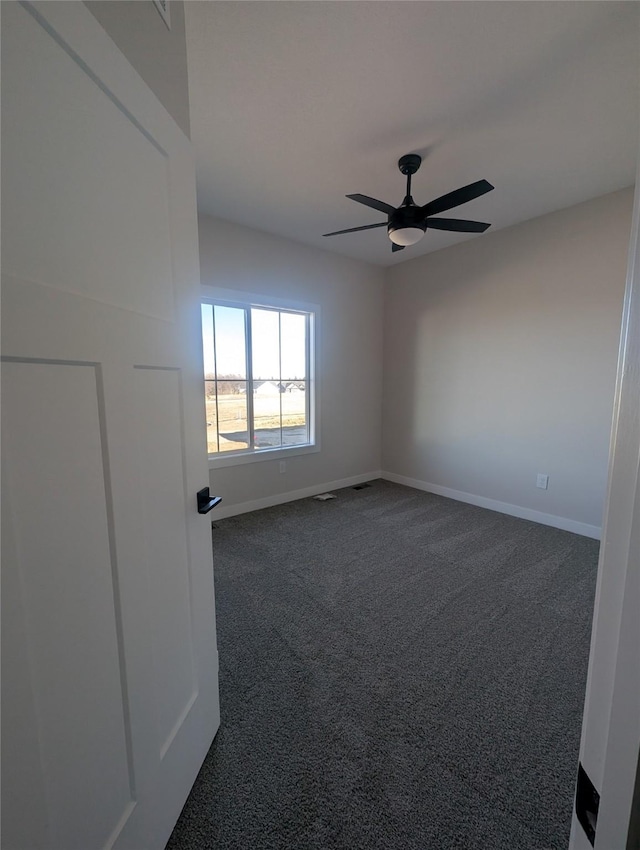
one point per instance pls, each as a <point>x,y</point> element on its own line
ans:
<point>361,486</point>
<point>587,804</point>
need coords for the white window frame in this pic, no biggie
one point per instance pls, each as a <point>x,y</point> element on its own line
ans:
<point>246,300</point>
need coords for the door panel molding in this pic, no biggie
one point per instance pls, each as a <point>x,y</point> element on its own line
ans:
<point>68,584</point>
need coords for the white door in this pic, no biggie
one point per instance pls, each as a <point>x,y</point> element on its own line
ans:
<point>109,685</point>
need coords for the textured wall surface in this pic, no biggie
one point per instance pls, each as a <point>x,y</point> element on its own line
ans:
<point>500,360</point>
<point>349,345</point>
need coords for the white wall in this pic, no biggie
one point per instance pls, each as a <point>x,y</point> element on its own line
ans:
<point>349,343</point>
<point>500,362</point>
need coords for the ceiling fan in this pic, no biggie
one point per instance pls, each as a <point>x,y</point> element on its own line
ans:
<point>407,224</point>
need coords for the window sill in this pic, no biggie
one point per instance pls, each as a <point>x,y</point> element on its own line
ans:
<point>240,458</point>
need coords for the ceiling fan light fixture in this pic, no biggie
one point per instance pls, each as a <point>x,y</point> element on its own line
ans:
<point>406,235</point>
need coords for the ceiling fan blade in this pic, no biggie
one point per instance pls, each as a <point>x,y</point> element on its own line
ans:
<point>460,196</point>
<point>460,225</point>
<point>395,247</point>
<point>372,202</point>
<point>354,229</point>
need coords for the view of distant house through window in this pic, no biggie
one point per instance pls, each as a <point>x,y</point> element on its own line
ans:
<point>257,377</point>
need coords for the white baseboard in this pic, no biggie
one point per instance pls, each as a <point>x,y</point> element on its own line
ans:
<point>281,498</point>
<point>563,523</point>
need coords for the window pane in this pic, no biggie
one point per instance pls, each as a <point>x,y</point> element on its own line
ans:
<point>265,342</point>
<point>266,414</point>
<point>207,341</point>
<point>293,333</point>
<point>231,357</point>
<point>212,416</point>
<point>295,427</point>
<point>232,413</point>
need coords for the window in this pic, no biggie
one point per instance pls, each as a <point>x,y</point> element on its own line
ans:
<point>258,378</point>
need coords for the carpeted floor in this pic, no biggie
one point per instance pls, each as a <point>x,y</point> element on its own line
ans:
<point>399,671</point>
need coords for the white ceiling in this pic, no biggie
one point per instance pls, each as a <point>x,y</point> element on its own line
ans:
<point>295,104</point>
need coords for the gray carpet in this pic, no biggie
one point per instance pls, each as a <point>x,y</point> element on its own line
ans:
<point>398,671</point>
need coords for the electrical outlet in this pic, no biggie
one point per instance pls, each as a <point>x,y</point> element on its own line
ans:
<point>542,481</point>
<point>283,466</point>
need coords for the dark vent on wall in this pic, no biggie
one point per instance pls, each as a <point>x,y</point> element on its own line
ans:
<point>163,7</point>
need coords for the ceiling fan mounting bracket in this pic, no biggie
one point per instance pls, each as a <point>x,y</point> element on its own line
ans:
<point>409,163</point>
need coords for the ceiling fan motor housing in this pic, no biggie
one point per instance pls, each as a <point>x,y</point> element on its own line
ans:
<point>411,216</point>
